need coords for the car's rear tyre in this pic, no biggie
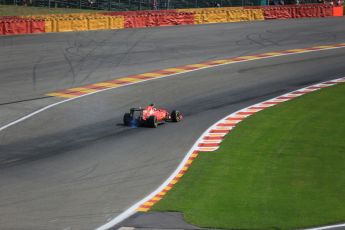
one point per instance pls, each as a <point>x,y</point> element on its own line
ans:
<point>176,116</point>
<point>127,119</point>
<point>152,122</point>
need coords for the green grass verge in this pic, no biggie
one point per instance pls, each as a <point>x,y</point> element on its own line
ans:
<point>281,168</point>
<point>6,10</point>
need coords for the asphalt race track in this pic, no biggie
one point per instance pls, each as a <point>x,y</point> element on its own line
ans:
<point>75,166</point>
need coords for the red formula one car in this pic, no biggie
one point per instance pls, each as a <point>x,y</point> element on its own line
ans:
<point>150,116</point>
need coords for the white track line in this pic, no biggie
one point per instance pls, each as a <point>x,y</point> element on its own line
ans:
<point>132,210</point>
<point>327,227</point>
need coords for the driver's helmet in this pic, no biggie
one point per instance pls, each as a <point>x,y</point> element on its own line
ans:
<point>152,104</point>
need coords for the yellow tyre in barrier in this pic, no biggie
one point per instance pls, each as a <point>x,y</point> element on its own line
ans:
<point>230,15</point>
<point>94,22</point>
<point>79,24</point>
<point>64,25</point>
<point>98,23</point>
<point>117,22</point>
<point>215,17</point>
<point>258,14</point>
<point>106,22</point>
<point>50,25</point>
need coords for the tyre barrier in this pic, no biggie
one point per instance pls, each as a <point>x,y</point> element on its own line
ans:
<point>233,15</point>
<point>296,11</point>
<point>158,19</point>
<point>154,18</point>
<point>137,19</point>
<point>21,26</point>
<point>94,22</point>
<point>338,11</point>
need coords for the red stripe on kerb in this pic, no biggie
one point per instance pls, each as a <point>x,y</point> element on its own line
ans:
<point>237,59</point>
<point>164,72</point>
<point>284,97</point>
<point>140,77</point>
<point>94,87</point>
<point>245,113</point>
<point>170,185</point>
<point>145,206</point>
<point>270,102</point>
<point>219,131</point>
<point>182,171</point>
<point>298,92</point>
<point>177,178</point>
<point>233,123</point>
<point>257,107</point>
<point>213,138</point>
<point>76,93</point>
<point>191,158</point>
<point>235,118</point>
<point>208,145</point>
<point>153,201</point>
<point>225,124</point>
<point>165,190</point>
<point>286,52</point>
<point>116,81</point>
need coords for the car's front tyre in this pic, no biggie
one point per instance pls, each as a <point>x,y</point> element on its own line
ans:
<point>176,116</point>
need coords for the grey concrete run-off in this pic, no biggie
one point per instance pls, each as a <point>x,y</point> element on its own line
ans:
<point>76,167</point>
